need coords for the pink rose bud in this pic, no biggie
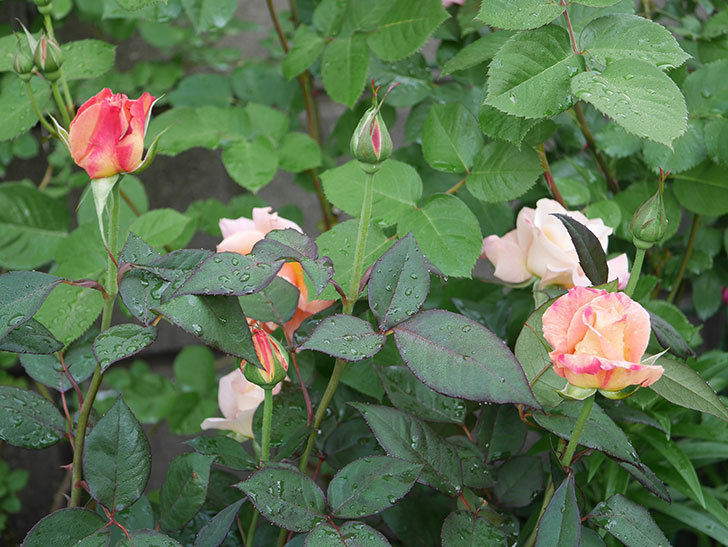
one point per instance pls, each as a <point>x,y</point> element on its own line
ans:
<point>48,58</point>
<point>448,3</point>
<point>272,356</point>
<point>725,295</point>
<point>371,143</point>
<point>598,339</point>
<point>107,135</point>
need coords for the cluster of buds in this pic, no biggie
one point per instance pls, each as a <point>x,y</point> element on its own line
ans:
<point>649,223</point>
<point>371,143</point>
<point>45,55</point>
<point>271,355</point>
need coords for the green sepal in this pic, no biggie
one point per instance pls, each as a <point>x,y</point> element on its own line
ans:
<point>101,189</point>
<point>576,393</point>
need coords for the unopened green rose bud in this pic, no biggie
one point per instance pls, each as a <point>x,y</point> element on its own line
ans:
<point>23,62</point>
<point>44,6</point>
<point>649,223</point>
<point>271,355</point>
<point>371,143</point>
<point>48,58</point>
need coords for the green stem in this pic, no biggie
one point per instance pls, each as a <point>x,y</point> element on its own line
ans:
<point>685,260</point>
<point>634,274</point>
<point>250,536</point>
<point>38,113</point>
<point>267,418</point>
<point>61,104</point>
<point>48,23</point>
<point>565,462</point>
<point>93,388</point>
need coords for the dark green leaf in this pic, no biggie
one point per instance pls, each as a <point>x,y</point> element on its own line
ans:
<point>184,489</point>
<point>405,437</point>
<point>370,485</point>
<point>78,358</point>
<point>346,337</point>
<point>117,459</point>
<point>628,522</point>
<point>288,425</point>
<point>399,283</point>
<point>464,528</point>
<point>64,527</point>
<point>227,451</point>
<point>194,370</point>
<point>500,432</point>
<point>561,522</point>
<point>350,533</point>
<point>600,433</point>
<point>214,532</point>
<point>21,294</point>
<point>519,480</point>
<point>458,357</point>
<point>122,341</point>
<point>286,497</point>
<point>27,420</point>
<point>669,338</point>
<point>408,394</point>
<point>648,479</point>
<point>30,337</point>
<point>592,258</point>
<point>148,538</point>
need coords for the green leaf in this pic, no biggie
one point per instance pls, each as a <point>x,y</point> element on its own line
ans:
<point>160,226</point>
<point>267,121</point>
<point>465,528</point>
<point>592,258</point>
<point>16,110</point>
<point>27,420</point>
<point>78,358</point>
<point>350,533</point>
<point>251,164</point>
<point>715,133</point>
<point>65,527</point>
<point>687,151</point>
<point>184,489</point>
<point>228,274</point>
<point>669,338</point>
<point>31,226</point>
<point>148,538</point>
<point>519,14</point>
<point>561,522</point>
<point>336,244</point>
<point>194,370</point>
<point>30,337</point>
<point>483,49</point>
<point>399,283</point>
<point>184,128</point>
<point>117,459</point>
<point>69,311</point>
<point>504,127</point>
<point>286,497</point>
<point>21,294</point>
<point>307,45</point>
<point>460,358</point>
<point>530,74</point>
<point>370,485</point>
<point>448,233</point>
<point>299,152</point>
<point>703,189</point>
<point>187,411</point>
<point>519,480</point>
<point>704,91</point>
<point>397,188</point>
<point>405,437</point>
<point>86,59</point>
<point>133,5</point>
<point>627,521</point>
<point>122,341</point>
<point>345,337</point>
<point>500,432</point>
<point>597,3</point>
<point>502,172</point>
<point>214,532</point>
<point>276,303</point>
<point>344,68</point>
<point>681,385</point>
<point>408,394</point>
<point>623,36</point>
<point>199,90</point>
<point>227,451</point>
<point>288,425</point>
<point>406,27</point>
<point>451,138</point>
<point>600,433</point>
<point>207,15</point>
<point>638,96</point>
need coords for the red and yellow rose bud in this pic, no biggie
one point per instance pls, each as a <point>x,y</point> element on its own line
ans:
<point>48,58</point>
<point>107,135</point>
<point>272,355</point>
<point>371,143</point>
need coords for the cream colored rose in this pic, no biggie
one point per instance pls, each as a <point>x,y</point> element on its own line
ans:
<point>540,246</point>
<point>238,400</point>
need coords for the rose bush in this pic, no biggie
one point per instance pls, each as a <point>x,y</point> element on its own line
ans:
<point>540,246</point>
<point>598,340</point>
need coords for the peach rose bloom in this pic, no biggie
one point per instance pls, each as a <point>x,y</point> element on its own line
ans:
<point>107,135</point>
<point>541,246</point>
<point>238,400</point>
<point>598,339</point>
<point>242,234</point>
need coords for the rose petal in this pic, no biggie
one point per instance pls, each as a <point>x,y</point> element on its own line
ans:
<point>507,257</point>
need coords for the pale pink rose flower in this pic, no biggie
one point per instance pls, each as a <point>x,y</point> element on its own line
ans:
<point>240,236</point>
<point>540,246</point>
<point>598,340</point>
<point>238,400</point>
<point>448,3</point>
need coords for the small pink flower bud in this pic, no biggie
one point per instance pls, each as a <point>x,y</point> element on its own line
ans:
<point>48,58</point>
<point>272,356</point>
<point>371,143</point>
